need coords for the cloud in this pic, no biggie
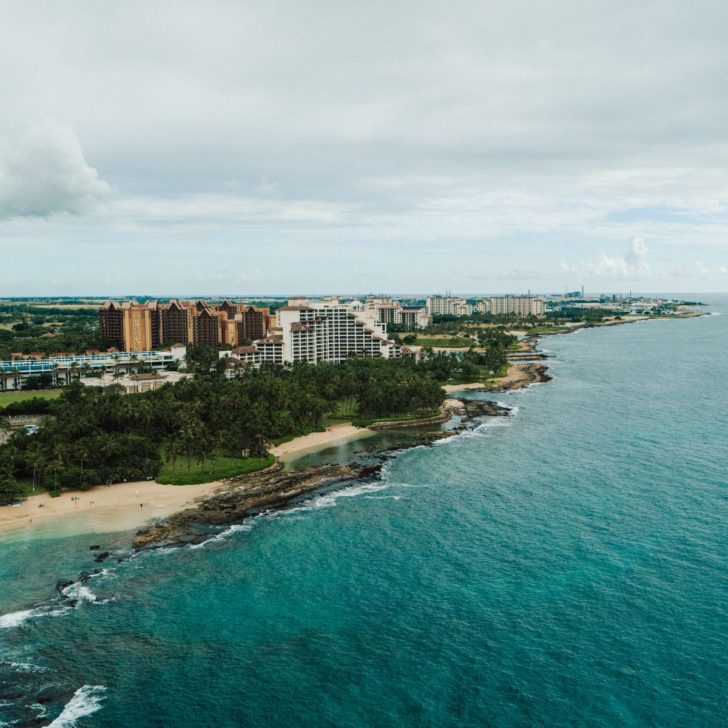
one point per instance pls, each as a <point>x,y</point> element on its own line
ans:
<point>632,263</point>
<point>43,172</point>
<point>510,134</point>
<point>711,271</point>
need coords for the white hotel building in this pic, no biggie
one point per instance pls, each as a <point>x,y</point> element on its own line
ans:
<point>448,306</point>
<point>512,306</point>
<point>318,330</point>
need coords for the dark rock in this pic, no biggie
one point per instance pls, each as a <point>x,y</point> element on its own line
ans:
<point>62,584</point>
<point>95,547</point>
<point>102,557</point>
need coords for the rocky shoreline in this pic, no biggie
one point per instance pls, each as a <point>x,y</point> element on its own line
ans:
<point>275,487</point>
<point>252,494</point>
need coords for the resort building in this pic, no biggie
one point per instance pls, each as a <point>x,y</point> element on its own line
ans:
<point>512,306</point>
<point>60,371</point>
<point>389,311</point>
<point>413,317</point>
<point>133,326</point>
<point>448,306</point>
<point>318,330</point>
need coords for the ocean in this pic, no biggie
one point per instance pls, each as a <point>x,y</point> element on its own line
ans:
<point>564,566</point>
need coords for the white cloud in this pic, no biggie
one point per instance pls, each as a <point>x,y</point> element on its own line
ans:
<point>711,271</point>
<point>43,172</point>
<point>632,263</point>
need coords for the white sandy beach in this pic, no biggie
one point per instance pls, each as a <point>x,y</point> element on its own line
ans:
<point>103,509</point>
<point>335,435</point>
<point>116,508</point>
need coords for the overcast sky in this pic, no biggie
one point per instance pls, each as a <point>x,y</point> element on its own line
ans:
<point>305,147</point>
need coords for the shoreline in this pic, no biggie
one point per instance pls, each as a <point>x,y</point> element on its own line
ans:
<point>304,444</point>
<point>101,509</point>
<point>116,508</point>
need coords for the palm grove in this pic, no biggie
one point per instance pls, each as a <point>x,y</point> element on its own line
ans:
<point>94,435</point>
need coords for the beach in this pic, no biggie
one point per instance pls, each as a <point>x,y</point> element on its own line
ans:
<point>116,508</point>
<point>128,506</point>
<point>335,435</point>
<point>102,509</point>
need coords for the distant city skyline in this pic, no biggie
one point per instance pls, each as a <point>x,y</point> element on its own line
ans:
<point>317,148</point>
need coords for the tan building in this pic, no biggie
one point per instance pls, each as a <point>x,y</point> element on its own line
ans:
<point>512,306</point>
<point>133,326</point>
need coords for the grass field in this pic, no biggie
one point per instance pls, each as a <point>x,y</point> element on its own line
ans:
<point>215,468</point>
<point>7,398</point>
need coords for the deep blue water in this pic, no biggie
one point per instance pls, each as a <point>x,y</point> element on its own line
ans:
<point>566,566</point>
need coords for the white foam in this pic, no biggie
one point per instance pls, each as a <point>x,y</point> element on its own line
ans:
<point>15,619</point>
<point>222,535</point>
<point>83,594</point>
<point>328,500</point>
<point>85,701</point>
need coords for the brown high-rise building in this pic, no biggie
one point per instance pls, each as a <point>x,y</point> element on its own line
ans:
<point>131,326</point>
<point>111,324</point>
<point>141,327</point>
<point>176,323</point>
<point>206,328</point>
<point>231,309</point>
<point>253,324</point>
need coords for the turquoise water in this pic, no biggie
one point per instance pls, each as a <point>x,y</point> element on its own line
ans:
<point>564,566</point>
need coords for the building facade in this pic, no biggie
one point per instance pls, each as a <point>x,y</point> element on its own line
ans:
<point>448,306</point>
<point>522,306</point>
<point>388,311</point>
<point>318,330</point>
<point>133,326</point>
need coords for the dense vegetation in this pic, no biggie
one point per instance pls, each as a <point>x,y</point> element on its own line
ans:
<point>27,328</point>
<point>102,436</point>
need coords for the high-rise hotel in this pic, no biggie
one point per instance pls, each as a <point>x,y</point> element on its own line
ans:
<point>325,329</point>
<point>133,326</point>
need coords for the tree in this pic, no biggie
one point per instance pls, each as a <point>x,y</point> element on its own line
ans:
<point>10,490</point>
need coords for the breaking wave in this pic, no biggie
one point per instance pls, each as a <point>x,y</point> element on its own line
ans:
<point>85,701</point>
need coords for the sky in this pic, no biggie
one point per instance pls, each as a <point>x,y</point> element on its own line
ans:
<point>253,148</point>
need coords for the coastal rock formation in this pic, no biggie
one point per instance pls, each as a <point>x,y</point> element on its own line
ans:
<point>520,376</point>
<point>483,408</point>
<point>248,496</point>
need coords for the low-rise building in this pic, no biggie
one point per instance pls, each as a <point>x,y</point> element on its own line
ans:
<point>61,371</point>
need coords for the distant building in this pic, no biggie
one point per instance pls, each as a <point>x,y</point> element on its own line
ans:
<point>388,311</point>
<point>448,306</point>
<point>512,306</point>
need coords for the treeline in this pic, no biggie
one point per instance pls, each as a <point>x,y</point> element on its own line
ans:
<point>103,436</point>
<point>47,331</point>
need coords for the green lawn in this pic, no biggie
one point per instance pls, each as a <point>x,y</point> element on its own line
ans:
<point>7,398</point>
<point>451,342</point>
<point>215,468</point>
<point>482,376</point>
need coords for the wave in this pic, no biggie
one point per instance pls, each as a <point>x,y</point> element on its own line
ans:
<point>15,619</point>
<point>85,701</point>
<point>328,500</point>
<point>222,535</point>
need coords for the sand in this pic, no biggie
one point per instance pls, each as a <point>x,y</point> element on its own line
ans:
<point>335,435</point>
<point>449,388</point>
<point>116,508</point>
<point>103,509</point>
